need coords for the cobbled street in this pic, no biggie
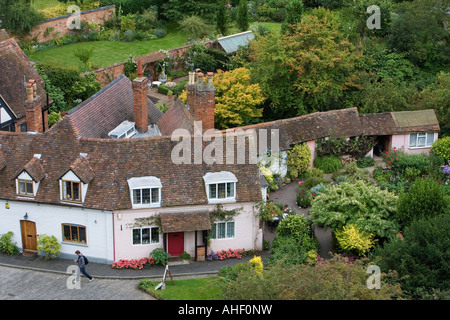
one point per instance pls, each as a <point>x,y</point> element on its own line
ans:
<point>19,284</point>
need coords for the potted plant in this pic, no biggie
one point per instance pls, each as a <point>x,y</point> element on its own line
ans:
<point>186,257</point>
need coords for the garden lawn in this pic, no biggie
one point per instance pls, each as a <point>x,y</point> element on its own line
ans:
<point>189,289</point>
<point>107,53</point>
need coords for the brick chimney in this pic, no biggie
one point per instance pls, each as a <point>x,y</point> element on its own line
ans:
<point>201,98</point>
<point>140,100</point>
<point>33,108</point>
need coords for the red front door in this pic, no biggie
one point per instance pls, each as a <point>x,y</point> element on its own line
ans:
<point>176,243</point>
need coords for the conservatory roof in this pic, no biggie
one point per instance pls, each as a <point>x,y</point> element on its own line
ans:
<point>232,43</point>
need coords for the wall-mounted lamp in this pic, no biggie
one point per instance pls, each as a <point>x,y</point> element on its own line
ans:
<point>25,216</point>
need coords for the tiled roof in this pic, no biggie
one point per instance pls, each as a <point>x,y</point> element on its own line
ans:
<point>82,169</point>
<point>150,57</point>
<point>16,70</point>
<point>108,108</point>
<point>176,117</point>
<point>113,162</point>
<point>34,169</point>
<point>185,221</point>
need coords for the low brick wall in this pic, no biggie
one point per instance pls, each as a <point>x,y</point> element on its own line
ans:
<point>59,24</point>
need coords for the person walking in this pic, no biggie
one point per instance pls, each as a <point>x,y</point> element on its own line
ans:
<point>82,266</point>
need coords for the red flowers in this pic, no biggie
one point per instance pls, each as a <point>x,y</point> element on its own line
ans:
<point>136,264</point>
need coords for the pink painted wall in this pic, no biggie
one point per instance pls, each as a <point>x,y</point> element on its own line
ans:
<point>402,142</point>
<point>247,233</point>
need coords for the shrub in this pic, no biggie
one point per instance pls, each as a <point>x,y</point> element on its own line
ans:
<point>420,258</point>
<point>194,26</point>
<point>353,240</point>
<point>297,227</point>
<point>367,206</point>
<point>425,199</point>
<point>304,197</point>
<point>257,264</point>
<point>268,210</point>
<point>298,159</point>
<point>365,162</point>
<point>129,36</point>
<point>160,256</point>
<point>50,245</point>
<point>160,33</point>
<point>144,284</point>
<point>6,245</point>
<point>441,148</point>
<point>327,164</point>
<point>185,256</point>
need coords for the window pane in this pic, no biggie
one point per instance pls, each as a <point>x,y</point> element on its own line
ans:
<point>136,196</point>
<point>212,191</point>
<point>412,140</point>
<point>230,229</point>
<point>29,187</point>
<point>76,190</point>
<point>155,195</point>
<point>145,196</point>
<point>145,235</point>
<point>82,234</point>
<point>213,231</point>
<point>430,138</point>
<point>230,190</point>
<point>74,231</point>
<point>221,190</point>
<point>136,236</point>
<point>155,235</point>
<point>22,187</point>
<point>421,139</point>
<point>66,230</point>
<point>220,230</point>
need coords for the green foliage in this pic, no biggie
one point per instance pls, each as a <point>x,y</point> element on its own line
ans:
<point>298,159</point>
<point>145,284</point>
<point>328,164</point>
<point>53,117</point>
<point>366,206</point>
<point>304,197</point>
<point>352,240</point>
<point>332,279</point>
<point>222,18</point>
<point>50,245</point>
<point>18,16</point>
<point>242,19</point>
<point>6,245</point>
<point>160,256</point>
<point>356,147</point>
<point>365,162</point>
<point>268,210</point>
<point>441,148</point>
<point>194,26</point>
<point>84,53</point>
<point>294,13</point>
<point>420,258</point>
<point>425,199</point>
<point>185,256</point>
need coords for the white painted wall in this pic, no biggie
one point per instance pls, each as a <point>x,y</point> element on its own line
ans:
<point>49,220</point>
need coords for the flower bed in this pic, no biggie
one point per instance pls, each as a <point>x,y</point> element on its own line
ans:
<point>136,264</point>
<point>226,254</point>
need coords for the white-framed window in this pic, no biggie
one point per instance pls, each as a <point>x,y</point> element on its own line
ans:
<point>26,186</point>
<point>223,230</point>
<point>72,189</point>
<point>146,196</point>
<point>146,235</point>
<point>145,192</point>
<point>421,139</point>
<point>220,186</point>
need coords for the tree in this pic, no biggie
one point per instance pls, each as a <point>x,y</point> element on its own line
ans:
<point>194,26</point>
<point>18,16</point>
<point>237,98</point>
<point>420,258</point>
<point>299,159</point>
<point>242,15</point>
<point>306,70</point>
<point>294,15</point>
<point>222,18</point>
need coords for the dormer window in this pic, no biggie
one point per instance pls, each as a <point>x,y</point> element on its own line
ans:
<point>71,190</point>
<point>145,192</point>
<point>126,129</point>
<point>220,186</point>
<point>28,180</point>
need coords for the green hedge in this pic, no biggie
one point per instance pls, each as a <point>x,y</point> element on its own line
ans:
<point>176,90</point>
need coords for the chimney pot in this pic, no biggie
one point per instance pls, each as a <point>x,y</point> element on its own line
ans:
<point>140,73</point>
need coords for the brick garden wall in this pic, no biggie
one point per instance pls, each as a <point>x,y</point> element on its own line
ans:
<point>59,24</point>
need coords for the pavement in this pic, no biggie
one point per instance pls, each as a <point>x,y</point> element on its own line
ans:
<point>105,271</point>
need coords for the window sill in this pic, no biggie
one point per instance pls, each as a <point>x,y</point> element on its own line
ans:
<point>226,200</point>
<point>426,147</point>
<point>146,206</point>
